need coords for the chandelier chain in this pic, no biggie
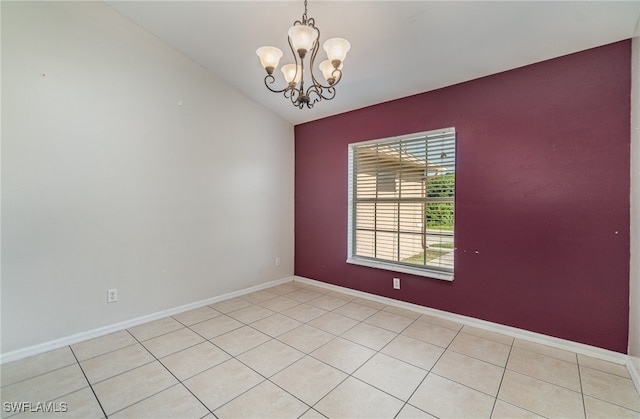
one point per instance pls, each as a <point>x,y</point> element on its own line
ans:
<point>304,15</point>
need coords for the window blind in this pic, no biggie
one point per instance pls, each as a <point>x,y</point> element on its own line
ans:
<point>402,197</point>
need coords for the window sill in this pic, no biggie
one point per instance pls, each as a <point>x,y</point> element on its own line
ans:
<point>444,276</point>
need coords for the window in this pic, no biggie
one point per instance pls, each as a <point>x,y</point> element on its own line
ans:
<point>401,203</point>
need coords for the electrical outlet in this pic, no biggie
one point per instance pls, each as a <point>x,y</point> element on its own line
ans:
<point>112,295</point>
<point>396,283</point>
<point>277,261</point>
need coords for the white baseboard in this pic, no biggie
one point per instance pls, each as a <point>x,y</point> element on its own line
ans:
<point>568,345</point>
<point>105,330</point>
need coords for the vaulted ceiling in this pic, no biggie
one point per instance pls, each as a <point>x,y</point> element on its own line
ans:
<point>399,48</point>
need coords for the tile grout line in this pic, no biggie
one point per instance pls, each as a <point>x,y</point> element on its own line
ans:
<point>584,403</point>
<point>59,396</point>
<point>579,370</point>
<point>556,384</point>
<point>379,351</point>
<point>108,352</point>
<point>504,372</point>
<point>257,372</point>
<point>231,356</point>
<point>526,374</point>
<point>429,372</point>
<point>123,372</point>
<point>40,374</point>
<point>138,342</point>
<point>348,375</point>
<point>179,382</point>
<point>88,382</point>
<point>599,398</point>
<point>238,360</point>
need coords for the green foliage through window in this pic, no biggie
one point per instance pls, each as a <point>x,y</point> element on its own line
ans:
<point>440,214</point>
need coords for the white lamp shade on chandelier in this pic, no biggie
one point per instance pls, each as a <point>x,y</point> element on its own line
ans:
<point>292,73</point>
<point>302,38</point>
<point>269,57</point>
<point>327,71</point>
<point>336,49</point>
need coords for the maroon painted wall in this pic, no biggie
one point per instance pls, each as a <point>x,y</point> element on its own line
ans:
<point>542,205</point>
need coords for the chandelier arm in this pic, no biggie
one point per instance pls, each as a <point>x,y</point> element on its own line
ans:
<point>337,74</point>
<point>314,97</point>
<point>293,95</point>
<point>269,79</point>
<point>337,77</point>
<point>322,92</point>
<point>314,52</point>
<point>295,59</point>
<point>301,88</point>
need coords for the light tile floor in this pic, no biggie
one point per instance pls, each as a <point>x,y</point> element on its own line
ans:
<point>296,350</point>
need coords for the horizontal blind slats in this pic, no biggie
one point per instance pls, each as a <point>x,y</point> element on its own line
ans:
<point>403,192</point>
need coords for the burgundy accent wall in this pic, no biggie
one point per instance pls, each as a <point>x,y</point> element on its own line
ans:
<point>542,204</point>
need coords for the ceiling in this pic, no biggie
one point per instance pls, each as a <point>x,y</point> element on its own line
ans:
<point>399,48</point>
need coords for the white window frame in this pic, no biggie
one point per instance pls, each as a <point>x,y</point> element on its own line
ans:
<point>446,275</point>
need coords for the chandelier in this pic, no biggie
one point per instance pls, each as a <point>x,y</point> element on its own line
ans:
<point>304,41</point>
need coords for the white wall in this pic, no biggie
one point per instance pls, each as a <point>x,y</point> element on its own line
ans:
<point>126,165</point>
<point>634,289</point>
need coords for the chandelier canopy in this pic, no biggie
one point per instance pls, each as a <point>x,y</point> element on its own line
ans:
<point>304,41</point>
